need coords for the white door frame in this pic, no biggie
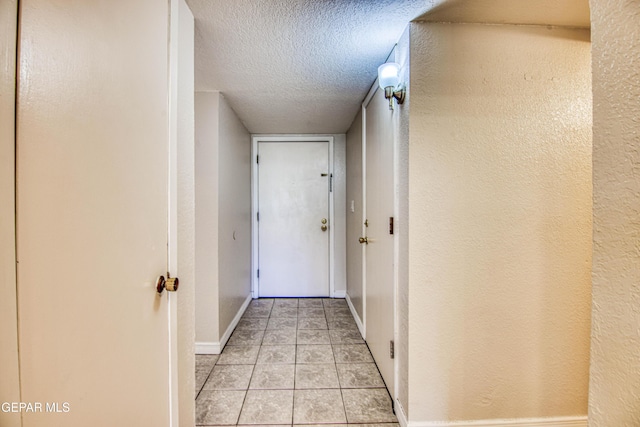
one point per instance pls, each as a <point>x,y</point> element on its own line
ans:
<point>255,261</point>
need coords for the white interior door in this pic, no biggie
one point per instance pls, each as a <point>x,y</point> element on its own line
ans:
<point>293,226</point>
<point>92,212</point>
<point>380,248</point>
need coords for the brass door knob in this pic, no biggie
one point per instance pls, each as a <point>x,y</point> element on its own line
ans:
<point>363,240</point>
<point>324,227</point>
<point>170,284</point>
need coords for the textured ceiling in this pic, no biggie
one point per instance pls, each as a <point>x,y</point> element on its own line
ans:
<point>304,66</point>
<point>567,13</point>
<point>296,66</point>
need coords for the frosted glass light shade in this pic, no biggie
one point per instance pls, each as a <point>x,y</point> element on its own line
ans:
<point>388,75</point>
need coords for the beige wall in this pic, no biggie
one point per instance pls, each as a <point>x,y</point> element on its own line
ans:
<point>615,355</point>
<point>234,214</point>
<point>9,383</point>
<point>223,216</point>
<point>354,218</point>
<point>499,191</point>
<point>206,189</point>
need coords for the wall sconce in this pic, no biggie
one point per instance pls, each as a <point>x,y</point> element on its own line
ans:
<point>389,80</point>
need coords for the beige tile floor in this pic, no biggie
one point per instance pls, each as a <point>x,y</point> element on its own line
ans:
<point>293,362</point>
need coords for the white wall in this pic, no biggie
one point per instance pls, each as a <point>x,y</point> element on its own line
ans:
<point>207,106</point>
<point>354,218</point>
<point>615,355</point>
<point>9,385</point>
<point>223,218</point>
<point>499,190</point>
<point>234,215</point>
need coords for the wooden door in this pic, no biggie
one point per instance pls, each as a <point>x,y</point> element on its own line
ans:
<point>92,212</point>
<point>379,251</point>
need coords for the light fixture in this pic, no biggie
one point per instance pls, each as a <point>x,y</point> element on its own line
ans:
<point>389,80</point>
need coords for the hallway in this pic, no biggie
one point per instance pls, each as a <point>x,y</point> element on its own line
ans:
<point>292,361</point>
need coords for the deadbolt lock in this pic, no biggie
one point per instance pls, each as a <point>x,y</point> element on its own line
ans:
<point>324,220</point>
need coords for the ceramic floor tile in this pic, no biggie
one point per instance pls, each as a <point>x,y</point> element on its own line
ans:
<point>204,365</point>
<point>359,375</point>
<point>286,302</point>
<point>267,407</point>
<point>341,336</point>
<point>316,376</point>
<point>272,377</point>
<point>342,322</point>
<point>246,337</point>
<point>368,406</point>
<point>337,311</point>
<point>279,336</point>
<point>257,311</point>
<point>310,302</point>
<point>318,406</point>
<point>312,323</point>
<point>229,377</point>
<point>313,336</point>
<point>284,312</point>
<point>311,312</point>
<point>282,323</point>
<point>239,355</point>
<point>214,407</point>
<point>261,302</point>
<point>277,354</point>
<point>252,323</point>
<point>321,353</point>
<point>352,353</point>
<point>334,302</point>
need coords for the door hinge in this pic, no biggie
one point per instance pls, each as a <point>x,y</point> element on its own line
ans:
<point>392,351</point>
<point>390,225</point>
<point>331,183</point>
<point>258,216</point>
<point>258,159</point>
<point>258,273</point>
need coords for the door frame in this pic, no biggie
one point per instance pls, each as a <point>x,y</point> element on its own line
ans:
<point>255,260</point>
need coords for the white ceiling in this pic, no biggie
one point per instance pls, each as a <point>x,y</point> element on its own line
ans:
<point>304,66</point>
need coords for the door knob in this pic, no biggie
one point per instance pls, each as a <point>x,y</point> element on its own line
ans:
<point>323,228</point>
<point>170,284</point>
<point>363,240</point>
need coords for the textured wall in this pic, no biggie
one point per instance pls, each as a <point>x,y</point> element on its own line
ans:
<point>402,57</point>
<point>9,385</point>
<point>615,353</point>
<point>339,207</point>
<point>354,218</point>
<point>206,188</point>
<point>234,215</point>
<point>500,221</point>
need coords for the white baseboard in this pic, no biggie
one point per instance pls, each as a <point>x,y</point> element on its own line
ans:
<point>234,322</point>
<point>399,411</point>
<point>516,422</point>
<point>208,348</point>
<point>357,318</point>
<point>216,347</point>
<point>339,294</point>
